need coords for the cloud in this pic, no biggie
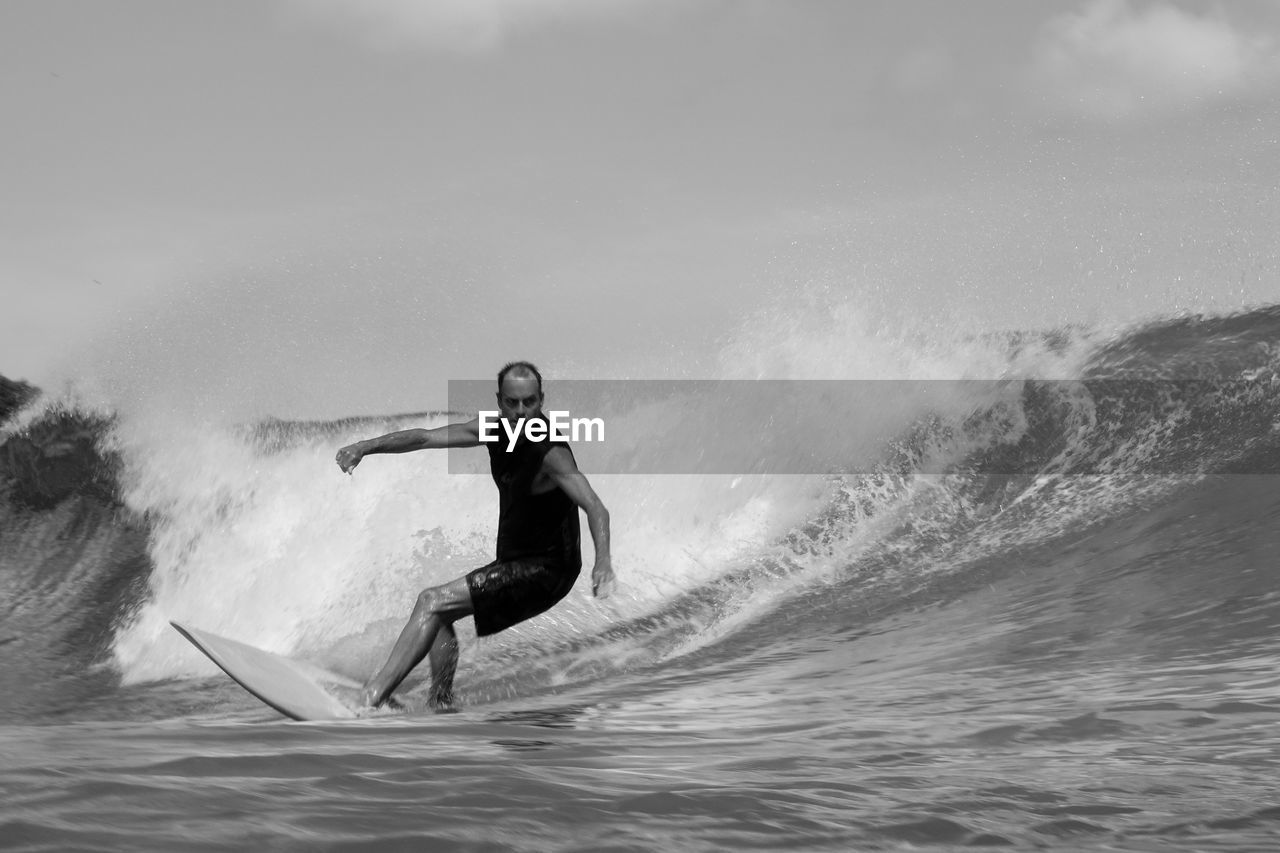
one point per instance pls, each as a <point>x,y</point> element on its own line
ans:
<point>464,25</point>
<point>1117,59</point>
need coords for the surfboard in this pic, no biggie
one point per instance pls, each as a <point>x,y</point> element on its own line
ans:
<point>291,687</point>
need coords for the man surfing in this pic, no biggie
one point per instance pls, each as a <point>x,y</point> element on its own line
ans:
<point>540,491</point>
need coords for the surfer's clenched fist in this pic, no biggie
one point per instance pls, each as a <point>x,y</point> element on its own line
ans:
<point>349,457</point>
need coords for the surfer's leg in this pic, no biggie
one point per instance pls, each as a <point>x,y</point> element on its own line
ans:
<point>436,608</point>
<point>444,663</point>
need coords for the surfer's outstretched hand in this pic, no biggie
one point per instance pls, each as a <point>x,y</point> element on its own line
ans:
<point>602,579</point>
<point>348,458</point>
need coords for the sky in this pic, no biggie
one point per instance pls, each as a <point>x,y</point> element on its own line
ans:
<point>328,206</point>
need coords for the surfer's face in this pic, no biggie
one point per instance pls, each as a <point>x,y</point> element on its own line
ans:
<point>519,398</point>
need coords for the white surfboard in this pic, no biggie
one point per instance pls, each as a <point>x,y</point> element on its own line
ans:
<point>293,688</point>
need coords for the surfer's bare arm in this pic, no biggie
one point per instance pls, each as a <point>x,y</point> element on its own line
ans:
<point>560,465</point>
<point>406,440</point>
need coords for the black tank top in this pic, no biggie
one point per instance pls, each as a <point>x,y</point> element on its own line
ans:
<point>543,526</point>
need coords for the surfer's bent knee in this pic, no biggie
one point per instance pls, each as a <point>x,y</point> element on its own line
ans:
<point>438,601</point>
<point>430,601</point>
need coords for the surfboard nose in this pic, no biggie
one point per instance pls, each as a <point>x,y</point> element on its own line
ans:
<point>284,684</point>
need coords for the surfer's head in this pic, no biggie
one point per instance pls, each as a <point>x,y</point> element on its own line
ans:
<point>519,391</point>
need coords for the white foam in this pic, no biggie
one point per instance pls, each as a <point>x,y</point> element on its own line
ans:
<point>279,549</point>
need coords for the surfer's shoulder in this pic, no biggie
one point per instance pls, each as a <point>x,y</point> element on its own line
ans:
<point>559,460</point>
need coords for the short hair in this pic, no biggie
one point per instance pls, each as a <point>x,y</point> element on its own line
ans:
<point>520,368</point>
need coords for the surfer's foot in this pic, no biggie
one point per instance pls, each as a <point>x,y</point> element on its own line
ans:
<point>442,704</point>
<point>369,698</point>
<point>366,706</point>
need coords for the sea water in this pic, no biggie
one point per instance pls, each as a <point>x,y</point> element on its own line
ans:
<point>1048,620</point>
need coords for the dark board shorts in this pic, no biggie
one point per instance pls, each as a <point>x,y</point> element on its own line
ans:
<point>510,591</point>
